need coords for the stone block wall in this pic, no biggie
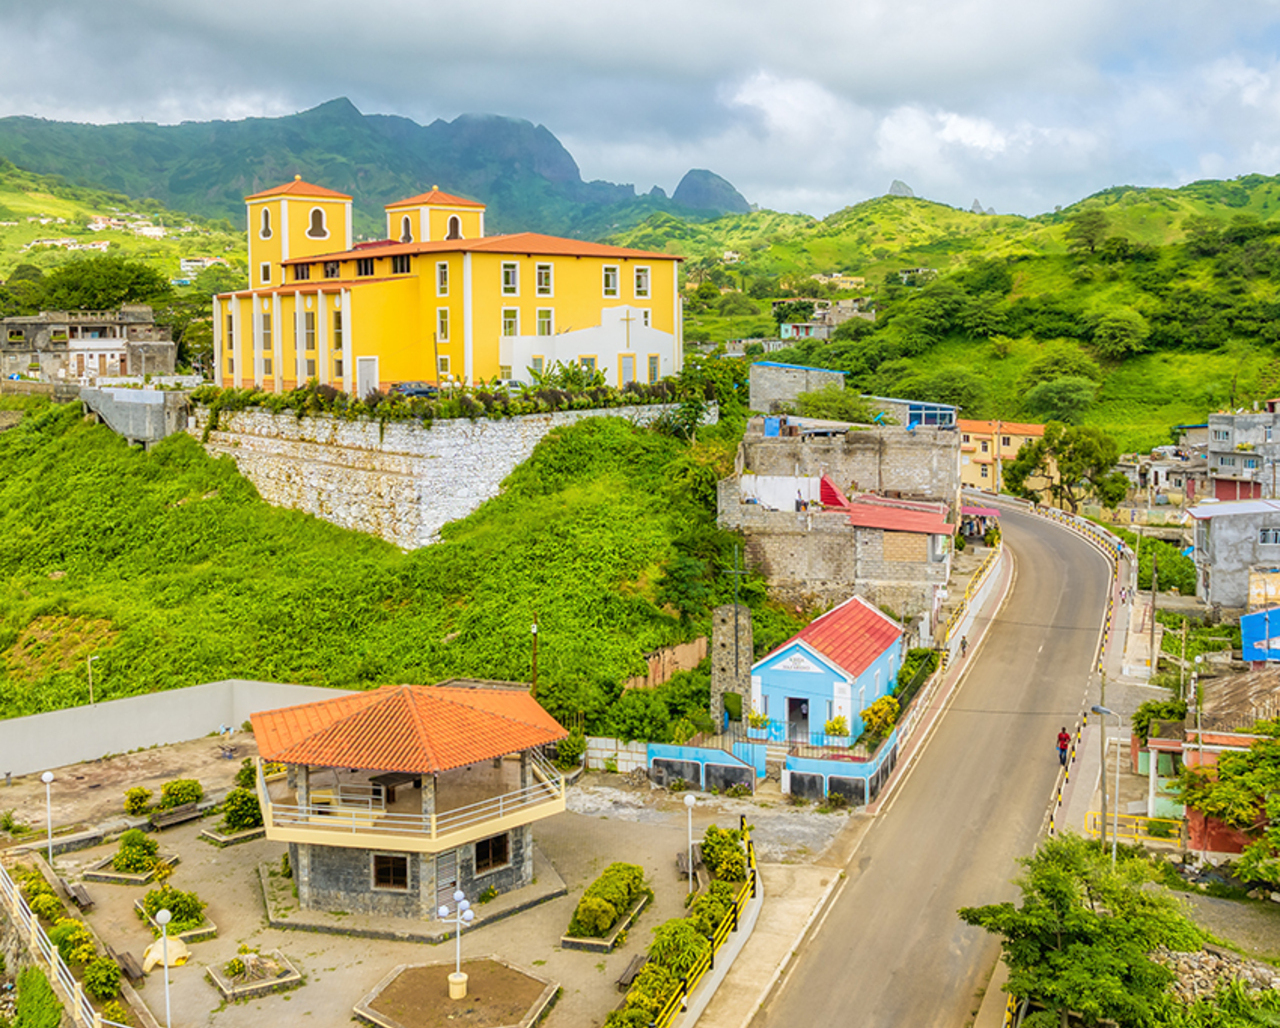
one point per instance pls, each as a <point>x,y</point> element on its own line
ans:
<point>771,386</point>
<point>401,482</point>
<point>516,874</point>
<point>922,464</point>
<point>724,676</point>
<point>341,878</point>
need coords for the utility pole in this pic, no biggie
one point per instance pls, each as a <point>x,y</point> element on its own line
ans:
<point>1102,750</point>
<point>1155,574</point>
<point>534,690</point>
<point>1182,668</point>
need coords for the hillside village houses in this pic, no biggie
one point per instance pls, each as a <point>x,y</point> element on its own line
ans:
<point>436,301</point>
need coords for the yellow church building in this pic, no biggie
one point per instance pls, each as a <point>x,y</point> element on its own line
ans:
<point>436,301</point>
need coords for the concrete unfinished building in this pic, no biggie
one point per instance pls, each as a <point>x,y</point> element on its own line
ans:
<point>81,346</point>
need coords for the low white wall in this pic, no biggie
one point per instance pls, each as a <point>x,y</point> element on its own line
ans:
<point>61,737</point>
<point>628,755</point>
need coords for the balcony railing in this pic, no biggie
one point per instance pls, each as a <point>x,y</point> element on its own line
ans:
<point>359,815</point>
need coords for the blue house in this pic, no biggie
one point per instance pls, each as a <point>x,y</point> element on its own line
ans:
<point>837,666</point>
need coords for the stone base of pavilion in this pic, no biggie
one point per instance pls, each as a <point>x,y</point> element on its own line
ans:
<point>283,910</point>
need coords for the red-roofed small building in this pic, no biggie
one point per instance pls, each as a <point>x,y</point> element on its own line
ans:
<point>396,797</point>
<point>837,666</point>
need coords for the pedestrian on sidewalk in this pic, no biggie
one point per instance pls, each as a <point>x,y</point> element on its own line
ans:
<point>1064,743</point>
<point>964,646</point>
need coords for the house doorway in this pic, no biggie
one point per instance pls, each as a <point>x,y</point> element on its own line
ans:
<point>446,878</point>
<point>366,376</point>
<point>797,717</point>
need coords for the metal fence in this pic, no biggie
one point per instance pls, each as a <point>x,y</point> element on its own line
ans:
<point>679,1001</point>
<point>62,979</point>
<point>1135,828</point>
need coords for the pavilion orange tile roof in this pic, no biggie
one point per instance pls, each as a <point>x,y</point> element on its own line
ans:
<point>851,636</point>
<point>299,188</point>
<point>434,196</point>
<point>415,729</point>
<point>517,243</point>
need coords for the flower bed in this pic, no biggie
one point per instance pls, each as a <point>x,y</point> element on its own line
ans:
<point>221,840</point>
<point>102,872</point>
<point>609,904</point>
<point>263,974</point>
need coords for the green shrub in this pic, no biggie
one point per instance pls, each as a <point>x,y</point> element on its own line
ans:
<point>241,811</point>
<point>247,776</point>
<point>117,1012</point>
<point>178,792</point>
<point>881,716</point>
<point>136,800</point>
<point>617,888</point>
<point>136,854</point>
<point>286,869</point>
<point>233,968</point>
<point>101,978</point>
<point>186,907</point>
<point>629,1017</point>
<point>569,751</point>
<point>37,1005</point>
<point>723,854</point>
<point>653,987</point>
<point>837,726</point>
<point>707,911</point>
<point>678,945</point>
<point>73,940</point>
<point>47,906</point>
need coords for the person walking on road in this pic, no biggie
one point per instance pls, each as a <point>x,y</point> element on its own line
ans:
<point>1064,743</point>
<point>964,646</point>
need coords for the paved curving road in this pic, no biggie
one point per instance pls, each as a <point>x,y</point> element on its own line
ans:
<point>890,950</point>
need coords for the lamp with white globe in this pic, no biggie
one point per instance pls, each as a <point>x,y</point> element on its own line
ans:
<point>463,915</point>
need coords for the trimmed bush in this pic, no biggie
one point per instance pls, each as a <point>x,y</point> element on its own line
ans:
<point>606,899</point>
<point>137,853</point>
<point>707,911</point>
<point>186,907</point>
<point>241,811</point>
<point>73,941</point>
<point>46,905</point>
<point>178,792</point>
<point>653,987</point>
<point>136,800</point>
<point>677,945</point>
<point>881,716</point>
<point>101,978</point>
<point>722,853</point>
<point>117,1012</point>
<point>246,777</point>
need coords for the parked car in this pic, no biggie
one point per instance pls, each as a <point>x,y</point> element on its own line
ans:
<point>509,384</point>
<point>415,389</point>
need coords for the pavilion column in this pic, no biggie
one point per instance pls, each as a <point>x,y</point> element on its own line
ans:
<point>525,775</point>
<point>428,795</point>
<point>303,787</point>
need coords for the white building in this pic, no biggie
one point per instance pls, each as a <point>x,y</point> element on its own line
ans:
<point>623,347</point>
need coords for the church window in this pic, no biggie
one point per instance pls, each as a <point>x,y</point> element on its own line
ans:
<point>653,367</point>
<point>545,281</point>
<point>364,265</point>
<point>332,269</point>
<point>642,283</point>
<point>455,228</point>
<point>504,372</point>
<point>442,324</point>
<point>406,229</point>
<point>644,317</point>
<point>588,363</point>
<point>337,331</point>
<point>265,231</point>
<point>442,278</point>
<point>537,365</point>
<point>230,339</point>
<point>316,229</point>
<point>266,332</point>
<point>309,330</point>
<point>400,264</point>
<point>442,366</point>
<point>510,279</point>
<point>546,321</point>
<point>265,272</point>
<point>510,321</point>
<point>610,280</point>
<point>301,272</point>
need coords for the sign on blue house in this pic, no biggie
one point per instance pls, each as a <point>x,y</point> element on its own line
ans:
<point>837,666</point>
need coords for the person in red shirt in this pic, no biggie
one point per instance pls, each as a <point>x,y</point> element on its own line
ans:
<point>1064,743</point>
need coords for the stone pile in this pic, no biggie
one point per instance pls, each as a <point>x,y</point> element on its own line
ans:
<point>8,1002</point>
<point>1199,974</point>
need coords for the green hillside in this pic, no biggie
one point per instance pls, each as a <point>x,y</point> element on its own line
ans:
<point>35,207</point>
<point>169,567</point>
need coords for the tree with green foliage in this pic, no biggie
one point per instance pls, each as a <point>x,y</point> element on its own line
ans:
<point>103,282</point>
<point>835,404</point>
<point>684,586</point>
<point>1061,399</point>
<point>793,311</point>
<point>1080,939</point>
<point>1078,462</point>
<point>854,328</point>
<point>1119,332</point>
<point>1063,359</point>
<point>1087,229</point>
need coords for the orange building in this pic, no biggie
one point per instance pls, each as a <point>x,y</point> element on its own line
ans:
<point>985,446</point>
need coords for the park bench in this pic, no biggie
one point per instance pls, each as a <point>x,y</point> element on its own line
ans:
<point>126,963</point>
<point>682,860</point>
<point>174,816</point>
<point>79,895</point>
<point>632,969</point>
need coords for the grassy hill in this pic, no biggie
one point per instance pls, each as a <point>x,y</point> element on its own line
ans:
<point>169,567</point>
<point>45,207</point>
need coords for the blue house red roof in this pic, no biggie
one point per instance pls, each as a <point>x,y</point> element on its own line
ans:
<point>851,636</point>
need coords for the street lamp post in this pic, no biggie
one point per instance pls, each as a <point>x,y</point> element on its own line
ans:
<point>1115,822</point>
<point>91,660</point>
<point>690,801</point>
<point>463,915</point>
<point>47,778</point>
<point>162,919</point>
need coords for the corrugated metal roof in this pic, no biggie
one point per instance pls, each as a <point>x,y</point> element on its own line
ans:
<point>1228,508</point>
<point>795,367</point>
<point>409,728</point>
<point>851,636</point>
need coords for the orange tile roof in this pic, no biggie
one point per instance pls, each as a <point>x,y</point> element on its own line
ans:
<point>1010,427</point>
<point>409,728</point>
<point>299,188</point>
<point>528,243</point>
<point>851,636</point>
<point>434,196</point>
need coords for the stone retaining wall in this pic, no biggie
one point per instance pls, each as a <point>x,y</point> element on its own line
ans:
<point>402,481</point>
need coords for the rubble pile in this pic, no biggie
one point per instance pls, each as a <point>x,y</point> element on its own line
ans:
<point>1199,974</point>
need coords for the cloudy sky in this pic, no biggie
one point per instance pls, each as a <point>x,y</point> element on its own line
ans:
<point>803,105</point>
